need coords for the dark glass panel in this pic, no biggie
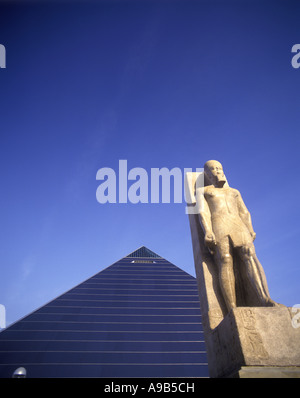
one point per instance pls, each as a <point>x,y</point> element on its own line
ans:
<point>104,335</point>
<point>106,326</point>
<point>100,357</point>
<point>101,345</point>
<point>54,309</point>
<point>114,318</point>
<point>82,370</point>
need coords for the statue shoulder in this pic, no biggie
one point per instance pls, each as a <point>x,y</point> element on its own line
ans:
<point>208,189</point>
<point>234,191</point>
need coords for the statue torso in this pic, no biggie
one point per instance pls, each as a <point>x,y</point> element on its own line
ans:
<point>225,217</point>
<point>222,201</point>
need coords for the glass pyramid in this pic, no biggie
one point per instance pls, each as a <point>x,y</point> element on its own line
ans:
<point>136,318</point>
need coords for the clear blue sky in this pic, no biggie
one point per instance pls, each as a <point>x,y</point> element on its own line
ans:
<point>161,84</point>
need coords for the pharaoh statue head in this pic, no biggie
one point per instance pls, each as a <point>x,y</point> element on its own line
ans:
<point>214,174</point>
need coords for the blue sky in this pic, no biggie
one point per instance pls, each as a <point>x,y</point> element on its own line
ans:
<point>160,84</point>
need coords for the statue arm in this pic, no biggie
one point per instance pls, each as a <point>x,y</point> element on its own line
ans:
<point>204,212</point>
<point>205,220</point>
<point>245,215</point>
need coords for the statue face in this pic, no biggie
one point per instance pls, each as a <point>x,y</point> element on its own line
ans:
<point>215,172</point>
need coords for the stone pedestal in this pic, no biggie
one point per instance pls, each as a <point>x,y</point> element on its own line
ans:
<point>254,342</point>
<point>267,372</point>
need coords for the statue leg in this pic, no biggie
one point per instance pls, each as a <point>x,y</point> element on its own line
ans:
<point>224,260</point>
<point>255,274</point>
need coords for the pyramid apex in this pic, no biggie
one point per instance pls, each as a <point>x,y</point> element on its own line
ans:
<point>143,251</point>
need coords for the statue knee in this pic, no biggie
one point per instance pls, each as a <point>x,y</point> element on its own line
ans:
<point>226,260</point>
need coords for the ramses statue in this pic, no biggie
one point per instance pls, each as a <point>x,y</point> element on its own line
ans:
<point>229,235</point>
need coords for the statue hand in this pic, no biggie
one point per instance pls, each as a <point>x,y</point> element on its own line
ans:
<point>210,240</point>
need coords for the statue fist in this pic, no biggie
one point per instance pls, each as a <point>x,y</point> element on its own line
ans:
<point>210,240</point>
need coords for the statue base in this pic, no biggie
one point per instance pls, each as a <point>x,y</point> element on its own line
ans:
<point>254,342</point>
<point>267,372</point>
